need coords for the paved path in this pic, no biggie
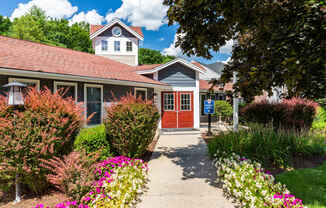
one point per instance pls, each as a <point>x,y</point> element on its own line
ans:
<point>181,175</point>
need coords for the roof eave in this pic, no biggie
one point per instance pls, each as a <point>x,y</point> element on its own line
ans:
<point>47,75</point>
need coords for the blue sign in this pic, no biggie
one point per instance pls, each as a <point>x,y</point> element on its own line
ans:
<point>209,107</point>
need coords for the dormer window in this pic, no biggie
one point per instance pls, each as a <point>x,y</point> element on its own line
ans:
<point>129,46</point>
<point>116,31</point>
<point>116,45</point>
<point>104,44</point>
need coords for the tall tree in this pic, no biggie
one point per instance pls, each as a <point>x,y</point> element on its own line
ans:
<point>5,25</point>
<point>149,56</point>
<point>279,43</point>
<point>36,26</point>
<point>30,26</point>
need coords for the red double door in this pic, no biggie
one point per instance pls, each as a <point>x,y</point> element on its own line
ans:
<point>177,110</point>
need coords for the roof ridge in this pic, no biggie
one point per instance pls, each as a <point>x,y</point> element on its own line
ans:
<point>69,49</point>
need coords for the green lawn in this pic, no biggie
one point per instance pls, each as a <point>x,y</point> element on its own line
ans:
<point>307,184</point>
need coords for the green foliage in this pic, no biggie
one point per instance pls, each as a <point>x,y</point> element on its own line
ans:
<point>269,52</point>
<point>30,26</point>
<point>92,140</point>
<point>271,148</point>
<point>41,129</point>
<point>5,25</point>
<point>297,114</point>
<point>36,26</point>
<point>149,56</point>
<point>223,109</point>
<point>131,125</point>
<point>319,124</point>
<point>308,184</point>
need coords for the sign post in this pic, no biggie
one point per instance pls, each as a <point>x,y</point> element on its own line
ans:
<point>209,109</point>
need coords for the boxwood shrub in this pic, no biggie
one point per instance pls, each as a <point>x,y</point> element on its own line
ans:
<point>93,139</point>
<point>131,124</point>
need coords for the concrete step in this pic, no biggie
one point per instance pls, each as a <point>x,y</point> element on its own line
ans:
<point>190,131</point>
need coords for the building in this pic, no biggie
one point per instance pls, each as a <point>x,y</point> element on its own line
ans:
<point>112,72</point>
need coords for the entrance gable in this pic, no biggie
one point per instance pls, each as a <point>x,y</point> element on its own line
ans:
<point>178,75</point>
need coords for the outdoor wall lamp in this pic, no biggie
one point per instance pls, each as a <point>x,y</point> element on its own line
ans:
<point>15,99</point>
<point>15,96</point>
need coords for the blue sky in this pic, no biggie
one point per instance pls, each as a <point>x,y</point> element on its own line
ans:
<point>149,14</point>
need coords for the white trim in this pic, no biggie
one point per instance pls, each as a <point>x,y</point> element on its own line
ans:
<point>74,84</point>
<point>177,60</point>
<point>197,103</point>
<point>46,75</point>
<point>92,36</point>
<point>34,81</point>
<point>159,105</point>
<point>141,89</point>
<point>85,99</point>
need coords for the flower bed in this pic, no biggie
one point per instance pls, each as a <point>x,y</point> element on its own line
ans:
<point>249,185</point>
<point>119,180</point>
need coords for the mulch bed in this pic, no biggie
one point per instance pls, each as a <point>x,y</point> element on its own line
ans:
<point>28,201</point>
<point>147,156</point>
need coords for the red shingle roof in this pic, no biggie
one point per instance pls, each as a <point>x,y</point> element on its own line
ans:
<point>146,67</point>
<point>204,85</point>
<point>198,65</point>
<point>27,55</point>
<point>95,28</point>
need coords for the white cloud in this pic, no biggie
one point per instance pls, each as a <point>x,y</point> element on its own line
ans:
<point>150,14</point>
<point>172,50</point>
<point>161,39</point>
<point>227,48</point>
<point>91,17</point>
<point>53,8</point>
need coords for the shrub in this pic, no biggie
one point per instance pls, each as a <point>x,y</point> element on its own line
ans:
<point>73,174</point>
<point>295,113</point>
<point>131,125</point>
<point>92,140</point>
<point>43,128</point>
<point>271,148</point>
<point>119,181</point>
<point>223,109</point>
<point>247,183</point>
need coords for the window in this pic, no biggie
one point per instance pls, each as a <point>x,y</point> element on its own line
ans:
<point>129,46</point>
<point>93,95</point>
<point>185,102</point>
<point>104,44</point>
<point>141,92</point>
<point>116,45</point>
<point>29,82</point>
<point>168,101</point>
<point>67,89</point>
<point>116,31</point>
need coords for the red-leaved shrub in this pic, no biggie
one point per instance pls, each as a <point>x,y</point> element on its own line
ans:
<point>131,124</point>
<point>41,129</point>
<point>73,174</point>
<point>291,114</point>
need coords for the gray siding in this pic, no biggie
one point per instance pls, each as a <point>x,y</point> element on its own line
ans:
<point>117,90</point>
<point>108,32</point>
<point>178,75</point>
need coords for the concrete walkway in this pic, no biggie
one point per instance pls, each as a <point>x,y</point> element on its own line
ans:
<point>181,175</point>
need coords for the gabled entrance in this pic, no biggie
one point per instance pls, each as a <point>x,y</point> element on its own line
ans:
<point>177,109</point>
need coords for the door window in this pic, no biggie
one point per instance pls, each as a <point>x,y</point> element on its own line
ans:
<point>185,102</point>
<point>169,101</point>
